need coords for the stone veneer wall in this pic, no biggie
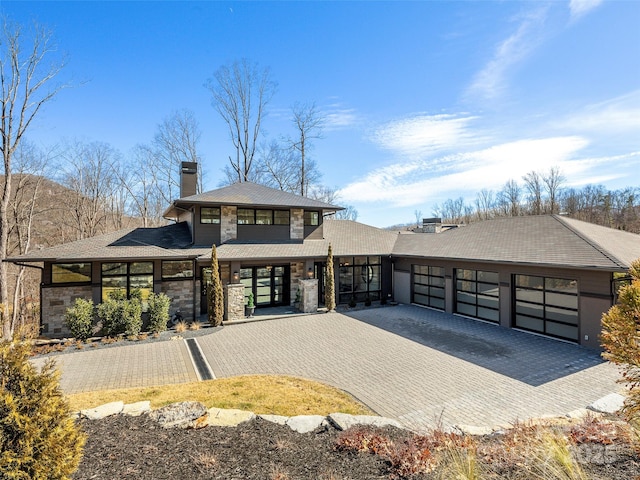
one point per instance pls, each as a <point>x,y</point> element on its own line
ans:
<point>233,302</point>
<point>181,294</point>
<point>297,274</point>
<point>308,295</point>
<point>228,223</point>
<point>296,227</point>
<point>55,301</point>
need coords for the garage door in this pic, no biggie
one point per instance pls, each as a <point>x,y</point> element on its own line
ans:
<point>428,286</point>
<point>547,305</point>
<point>478,294</point>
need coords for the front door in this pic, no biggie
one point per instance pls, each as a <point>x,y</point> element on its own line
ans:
<point>269,284</point>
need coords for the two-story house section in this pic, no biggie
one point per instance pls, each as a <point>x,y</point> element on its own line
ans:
<point>266,239</point>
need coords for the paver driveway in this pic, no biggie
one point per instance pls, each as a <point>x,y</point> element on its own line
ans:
<point>416,365</point>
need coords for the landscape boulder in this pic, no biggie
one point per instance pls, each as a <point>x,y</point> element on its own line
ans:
<point>219,417</point>
<point>306,423</point>
<point>181,414</point>
<point>102,411</point>
<point>343,421</point>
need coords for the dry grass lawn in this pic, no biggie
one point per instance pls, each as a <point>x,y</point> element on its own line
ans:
<point>267,394</point>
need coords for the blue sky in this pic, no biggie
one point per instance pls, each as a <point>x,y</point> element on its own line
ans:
<point>424,101</point>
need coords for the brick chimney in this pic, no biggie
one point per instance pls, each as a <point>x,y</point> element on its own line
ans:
<point>188,179</point>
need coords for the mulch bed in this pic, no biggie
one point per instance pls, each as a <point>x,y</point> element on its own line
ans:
<point>137,448</point>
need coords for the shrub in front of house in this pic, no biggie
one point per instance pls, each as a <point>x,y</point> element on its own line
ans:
<point>158,312</point>
<point>121,316</point>
<point>38,438</point>
<point>79,318</point>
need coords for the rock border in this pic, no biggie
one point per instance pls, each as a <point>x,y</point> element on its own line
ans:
<point>196,415</point>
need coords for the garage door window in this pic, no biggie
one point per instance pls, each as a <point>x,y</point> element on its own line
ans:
<point>547,305</point>
<point>478,294</point>
<point>428,286</point>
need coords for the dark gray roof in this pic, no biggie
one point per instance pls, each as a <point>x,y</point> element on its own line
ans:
<point>542,240</point>
<point>171,241</point>
<point>248,193</point>
<point>347,238</point>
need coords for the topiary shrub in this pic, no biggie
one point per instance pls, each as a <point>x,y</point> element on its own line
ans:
<point>38,438</point>
<point>158,312</point>
<point>79,318</point>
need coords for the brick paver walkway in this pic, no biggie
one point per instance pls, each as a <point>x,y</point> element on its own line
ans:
<point>140,365</point>
<point>416,365</point>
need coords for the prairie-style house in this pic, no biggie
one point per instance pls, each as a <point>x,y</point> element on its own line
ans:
<point>548,275</point>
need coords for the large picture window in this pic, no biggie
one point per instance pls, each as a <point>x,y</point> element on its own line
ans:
<point>71,272</point>
<point>546,305</point>
<point>210,215</point>
<point>359,278</point>
<point>428,286</point>
<point>126,277</point>
<point>478,294</point>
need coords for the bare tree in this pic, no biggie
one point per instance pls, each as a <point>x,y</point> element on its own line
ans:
<point>176,141</point>
<point>349,213</point>
<point>241,91</point>
<point>26,84</point>
<point>484,204</point>
<point>146,199</point>
<point>308,123</point>
<point>29,176</point>
<point>552,183</point>
<point>277,168</point>
<point>533,184</point>
<point>418,216</point>
<point>91,176</point>
<point>511,197</point>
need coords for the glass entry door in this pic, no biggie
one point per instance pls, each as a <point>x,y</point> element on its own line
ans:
<point>268,284</point>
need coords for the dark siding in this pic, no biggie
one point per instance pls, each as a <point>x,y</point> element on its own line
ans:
<point>263,233</point>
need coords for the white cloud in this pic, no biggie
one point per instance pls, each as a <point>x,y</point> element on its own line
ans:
<point>620,114</point>
<point>422,134</point>
<point>414,183</point>
<point>579,8</point>
<point>490,82</point>
<point>339,118</point>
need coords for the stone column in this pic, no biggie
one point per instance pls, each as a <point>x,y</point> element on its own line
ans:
<point>228,223</point>
<point>296,226</point>
<point>233,302</point>
<point>309,295</point>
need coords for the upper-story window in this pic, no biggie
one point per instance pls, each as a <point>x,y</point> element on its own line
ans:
<point>210,215</point>
<point>251,216</point>
<point>311,218</point>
